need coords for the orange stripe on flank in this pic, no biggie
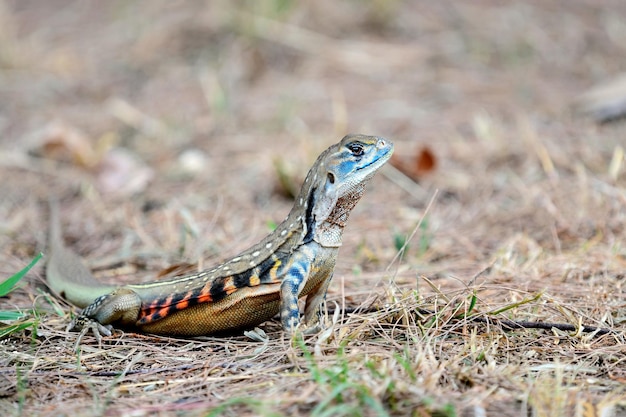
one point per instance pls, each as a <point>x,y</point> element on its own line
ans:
<point>229,285</point>
<point>274,270</point>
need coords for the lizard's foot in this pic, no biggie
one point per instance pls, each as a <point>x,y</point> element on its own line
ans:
<point>84,324</point>
<point>257,335</point>
<point>306,329</point>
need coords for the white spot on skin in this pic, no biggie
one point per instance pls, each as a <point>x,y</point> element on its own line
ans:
<point>291,226</point>
<point>283,233</point>
<point>301,201</point>
<point>226,268</point>
<point>252,263</point>
<point>237,259</point>
<point>269,245</point>
<point>298,218</point>
<point>256,253</point>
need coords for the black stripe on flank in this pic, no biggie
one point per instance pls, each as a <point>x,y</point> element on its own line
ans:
<point>187,299</point>
<point>264,268</point>
<point>242,279</point>
<point>308,217</point>
<point>155,316</point>
<point>217,289</point>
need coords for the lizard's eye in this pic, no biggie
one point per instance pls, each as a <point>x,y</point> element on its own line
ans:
<point>356,148</point>
<point>331,177</point>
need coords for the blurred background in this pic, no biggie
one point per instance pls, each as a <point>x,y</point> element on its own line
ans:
<point>212,110</point>
<point>184,74</point>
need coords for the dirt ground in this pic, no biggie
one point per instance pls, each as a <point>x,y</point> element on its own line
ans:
<point>175,132</point>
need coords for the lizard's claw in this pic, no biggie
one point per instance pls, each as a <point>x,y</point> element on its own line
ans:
<point>311,330</point>
<point>85,324</point>
<point>257,335</point>
<point>306,330</point>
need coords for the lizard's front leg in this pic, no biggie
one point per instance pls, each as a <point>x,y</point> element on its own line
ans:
<point>294,280</point>
<point>120,306</point>
<point>314,301</point>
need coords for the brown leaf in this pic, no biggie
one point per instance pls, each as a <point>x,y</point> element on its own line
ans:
<point>286,185</point>
<point>425,161</point>
<point>422,163</point>
<point>175,270</point>
<point>62,142</point>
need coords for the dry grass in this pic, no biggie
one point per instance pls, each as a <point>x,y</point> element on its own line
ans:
<point>527,219</point>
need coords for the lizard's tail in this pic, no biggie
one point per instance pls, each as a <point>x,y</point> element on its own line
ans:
<point>65,272</point>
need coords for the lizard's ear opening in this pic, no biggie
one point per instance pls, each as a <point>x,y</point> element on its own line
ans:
<point>325,198</point>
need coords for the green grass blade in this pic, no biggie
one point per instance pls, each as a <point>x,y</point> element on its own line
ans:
<point>5,331</point>
<point>7,286</point>
<point>515,305</point>
<point>11,315</point>
<point>472,303</point>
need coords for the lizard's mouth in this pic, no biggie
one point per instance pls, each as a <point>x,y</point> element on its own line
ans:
<point>380,160</point>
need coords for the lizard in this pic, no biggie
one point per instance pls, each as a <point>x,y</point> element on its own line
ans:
<point>296,260</point>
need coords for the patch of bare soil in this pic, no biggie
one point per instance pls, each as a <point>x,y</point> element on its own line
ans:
<point>174,131</point>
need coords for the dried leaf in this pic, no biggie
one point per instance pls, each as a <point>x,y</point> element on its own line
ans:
<point>63,142</point>
<point>286,185</point>
<point>425,161</point>
<point>422,163</point>
<point>175,270</point>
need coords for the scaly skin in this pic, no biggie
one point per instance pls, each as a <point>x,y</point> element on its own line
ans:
<point>296,260</point>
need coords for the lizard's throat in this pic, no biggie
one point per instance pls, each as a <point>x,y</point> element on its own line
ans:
<point>330,231</point>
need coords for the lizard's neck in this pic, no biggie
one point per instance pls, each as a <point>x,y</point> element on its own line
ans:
<point>329,232</point>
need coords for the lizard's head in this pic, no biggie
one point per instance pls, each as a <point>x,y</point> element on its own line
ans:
<point>352,161</point>
<point>341,172</point>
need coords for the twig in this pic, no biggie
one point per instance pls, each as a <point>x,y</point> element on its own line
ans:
<point>523,324</point>
<point>504,323</point>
